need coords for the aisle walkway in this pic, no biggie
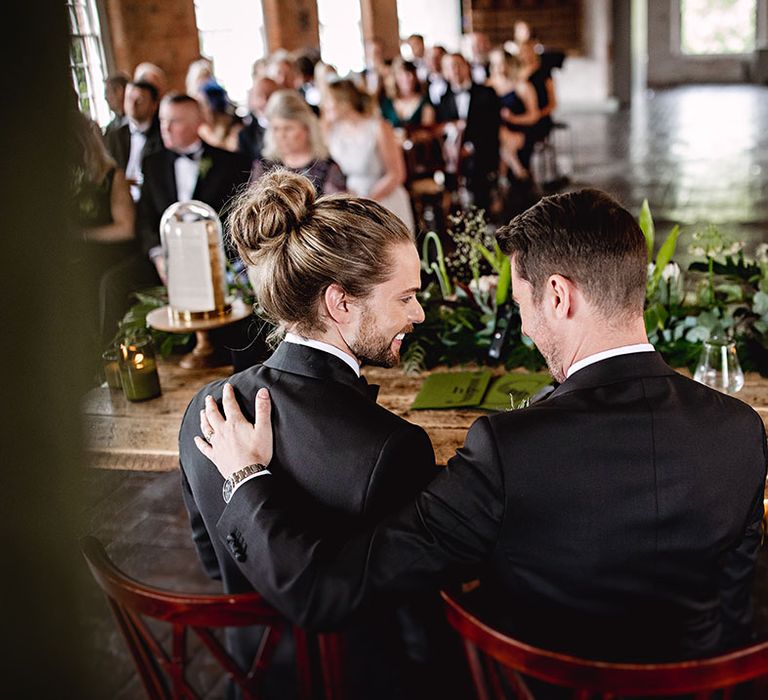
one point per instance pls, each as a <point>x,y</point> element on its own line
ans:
<point>698,153</point>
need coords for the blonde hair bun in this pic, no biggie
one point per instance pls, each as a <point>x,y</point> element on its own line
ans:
<point>269,211</point>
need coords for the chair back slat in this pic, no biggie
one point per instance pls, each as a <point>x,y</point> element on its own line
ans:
<point>603,678</point>
<point>163,674</point>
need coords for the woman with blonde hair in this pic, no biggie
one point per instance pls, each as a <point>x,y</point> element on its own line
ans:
<point>294,141</point>
<point>519,108</point>
<point>365,147</point>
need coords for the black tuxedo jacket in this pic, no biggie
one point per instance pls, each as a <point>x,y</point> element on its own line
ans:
<point>215,187</point>
<point>250,139</point>
<point>119,142</point>
<point>372,461</point>
<point>619,518</point>
<point>483,121</point>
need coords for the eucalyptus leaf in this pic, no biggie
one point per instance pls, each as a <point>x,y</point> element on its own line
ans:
<point>698,334</point>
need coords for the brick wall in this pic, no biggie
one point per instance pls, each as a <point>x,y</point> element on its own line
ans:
<point>291,25</point>
<point>160,31</point>
<point>557,23</point>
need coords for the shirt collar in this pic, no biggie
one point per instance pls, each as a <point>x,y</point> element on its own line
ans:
<point>325,347</point>
<point>605,354</point>
<point>136,128</point>
<point>195,148</point>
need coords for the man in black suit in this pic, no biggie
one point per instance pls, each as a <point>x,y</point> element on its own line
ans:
<point>186,169</point>
<point>251,137</point>
<point>475,109</point>
<point>619,518</point>
<point>139,135</point>
<point>345,314</point>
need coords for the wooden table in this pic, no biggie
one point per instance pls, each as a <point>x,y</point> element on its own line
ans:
<point>143,436</point>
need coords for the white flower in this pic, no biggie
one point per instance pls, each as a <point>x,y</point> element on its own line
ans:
<point>671,272</point>
<point>736,247</point>
<point>485,284</point>
<point>761,253</point>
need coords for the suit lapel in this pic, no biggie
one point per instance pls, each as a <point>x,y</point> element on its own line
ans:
<point>169,175</point>
<point>203,186</point>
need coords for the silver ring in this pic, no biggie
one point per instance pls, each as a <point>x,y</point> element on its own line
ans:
<point>209,436</point>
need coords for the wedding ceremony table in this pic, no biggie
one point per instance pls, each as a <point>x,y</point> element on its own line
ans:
<point>143,436</point>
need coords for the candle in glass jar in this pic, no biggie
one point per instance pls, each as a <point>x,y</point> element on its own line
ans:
<point>138,372</point>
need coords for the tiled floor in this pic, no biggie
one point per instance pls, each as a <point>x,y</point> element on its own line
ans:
<point>700,155</point>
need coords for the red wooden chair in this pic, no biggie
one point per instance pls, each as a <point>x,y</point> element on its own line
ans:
<point>163,672</point>
<point>496,662</point>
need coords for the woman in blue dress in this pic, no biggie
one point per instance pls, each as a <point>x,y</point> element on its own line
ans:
<point>519,110</point>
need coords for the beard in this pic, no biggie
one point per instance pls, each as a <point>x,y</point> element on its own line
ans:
<point>549,349</point>
<point>372,347</point>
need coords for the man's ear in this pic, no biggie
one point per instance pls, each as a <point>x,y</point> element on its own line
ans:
<point>559,296</point>
<point>336,303</point>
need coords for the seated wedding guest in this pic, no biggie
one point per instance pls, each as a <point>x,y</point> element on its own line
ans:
<point>102,212</point>
<point>188,168</point>
<point>305,68</point>
<point>259,68</point>
<point>541,79</point>
<point>153,74</point>
<point>282,70</point>
<point>617,519</point>
<point>338,277</point>
<point>198,74</point>
<point>293,140</point>
<point>436,82</point>
<point>365,147</point>
<point>374,76</point>
<point>139,136</point>
<point>221,126</point>
<point>250,139</point>
<point>409,105</point>
<point>417,50</point>
<point>474,110</point>
<point>114,94</point>
<point>478,50</point>
<point>519,108</point>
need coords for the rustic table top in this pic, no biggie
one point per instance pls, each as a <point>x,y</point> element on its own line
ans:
<point>143,436</point>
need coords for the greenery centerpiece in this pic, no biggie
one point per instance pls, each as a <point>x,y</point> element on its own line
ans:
<point>722,292</point>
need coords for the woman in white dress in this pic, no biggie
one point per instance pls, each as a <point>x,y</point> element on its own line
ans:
<point>365,148</point>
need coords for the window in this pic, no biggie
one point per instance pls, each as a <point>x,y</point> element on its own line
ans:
<point>438,21</point>
<point>86,59</point>
<point>232,36</point>
<point>717,26</point>
<point>341,35</point>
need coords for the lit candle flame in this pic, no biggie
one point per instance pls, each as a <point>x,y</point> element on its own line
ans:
<point>138,360</point>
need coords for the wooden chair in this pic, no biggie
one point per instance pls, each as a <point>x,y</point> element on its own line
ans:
<point>163,672</point>
<point>497,661</point>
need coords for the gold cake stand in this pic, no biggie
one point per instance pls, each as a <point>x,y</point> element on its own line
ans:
<point>201,357</point>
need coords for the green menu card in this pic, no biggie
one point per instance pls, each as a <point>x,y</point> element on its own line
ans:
<point>452,390</point>
<point>510,390</point>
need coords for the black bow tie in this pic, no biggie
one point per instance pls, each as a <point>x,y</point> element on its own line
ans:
<point>370,390</point>
<point>195,155</point>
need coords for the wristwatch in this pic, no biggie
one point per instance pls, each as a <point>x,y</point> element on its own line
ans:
<point>229,484</point>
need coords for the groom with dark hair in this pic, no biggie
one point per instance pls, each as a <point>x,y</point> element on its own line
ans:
<point>619,518</point>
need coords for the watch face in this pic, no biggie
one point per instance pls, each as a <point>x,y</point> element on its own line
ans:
<point>226,490</point>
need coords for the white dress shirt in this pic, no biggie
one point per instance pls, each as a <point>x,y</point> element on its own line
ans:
<point>605,354</point>
<point>186,171</point>
<point>462,98</point>
<point>325,347</point>
<point>133,166</point>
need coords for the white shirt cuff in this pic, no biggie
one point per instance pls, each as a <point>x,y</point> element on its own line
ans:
<point>248,478</point>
